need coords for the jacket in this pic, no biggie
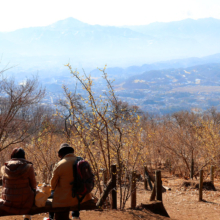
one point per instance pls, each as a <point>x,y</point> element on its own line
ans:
<point>60,182</point>
<point>19,184</point>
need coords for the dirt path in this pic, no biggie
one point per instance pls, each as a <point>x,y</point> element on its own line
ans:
<point>108,214</point>
<point>182,203</point>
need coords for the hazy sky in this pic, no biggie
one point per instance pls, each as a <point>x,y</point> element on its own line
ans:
<point>15,14</point>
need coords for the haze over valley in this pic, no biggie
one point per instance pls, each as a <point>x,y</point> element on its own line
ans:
<point>161,67</point>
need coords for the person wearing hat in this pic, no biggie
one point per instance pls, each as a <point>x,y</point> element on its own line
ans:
<point>62,176</point>
<point>18,185</point>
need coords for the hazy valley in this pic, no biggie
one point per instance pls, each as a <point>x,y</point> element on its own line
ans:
<point>161,67</point>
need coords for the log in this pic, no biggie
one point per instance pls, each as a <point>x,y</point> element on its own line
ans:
<point>88,205</point>
<point>156,207</point>
<point>167,188</point>
<point>104,194</point>
<point>61,216</point>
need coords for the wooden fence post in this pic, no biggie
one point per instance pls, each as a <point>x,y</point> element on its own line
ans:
<point>145,179</point>
<point>114,192</point>
<point>133,190</point>
<point>153,194</point>
<point>158,185</point>
<point>200,184</point>
<point>212,174</point>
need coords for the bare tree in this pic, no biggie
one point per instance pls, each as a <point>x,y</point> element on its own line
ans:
<point>18,110</point>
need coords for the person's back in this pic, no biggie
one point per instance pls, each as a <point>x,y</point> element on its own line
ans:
<point>60,182</point>
<point>18,184</point>
<point>62,178</point>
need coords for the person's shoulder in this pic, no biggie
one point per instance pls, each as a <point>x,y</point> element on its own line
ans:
<point>28,162</point>
<point>69,158</point>
<point>60,163</point>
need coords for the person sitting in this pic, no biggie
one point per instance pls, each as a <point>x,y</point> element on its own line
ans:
<point>62,176</point>
<point>18,184</point>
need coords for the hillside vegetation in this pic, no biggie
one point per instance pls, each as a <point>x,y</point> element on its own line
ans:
<point>105,131</point>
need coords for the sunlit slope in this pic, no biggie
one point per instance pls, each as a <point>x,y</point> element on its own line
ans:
<point>167,79</point>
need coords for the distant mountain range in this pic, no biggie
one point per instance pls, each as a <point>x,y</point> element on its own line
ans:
<point>169,90</point>
<point>169,79</point>
<point>184,29</point>
<point>124,73</point>
<point>161,67</point>
<point>90,46</point>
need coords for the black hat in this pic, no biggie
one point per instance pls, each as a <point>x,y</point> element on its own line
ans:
<point>64,147</point>
<point>18,153</point>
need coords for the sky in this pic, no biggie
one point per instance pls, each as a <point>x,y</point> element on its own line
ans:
<point>16,14</point>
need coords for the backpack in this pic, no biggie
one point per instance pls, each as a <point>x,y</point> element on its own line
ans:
<point>83,179</point>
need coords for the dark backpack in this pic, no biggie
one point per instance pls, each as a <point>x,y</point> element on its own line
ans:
<point>83,179</point>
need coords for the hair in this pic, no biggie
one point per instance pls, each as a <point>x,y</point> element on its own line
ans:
<point>65,149</point>
<point>18,153</point>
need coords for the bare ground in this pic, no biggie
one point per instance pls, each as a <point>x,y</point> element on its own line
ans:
<point>181,203</point>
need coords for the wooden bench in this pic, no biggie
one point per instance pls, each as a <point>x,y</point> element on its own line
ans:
<point>59,211</point>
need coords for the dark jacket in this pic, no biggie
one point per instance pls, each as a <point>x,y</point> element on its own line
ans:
<point>18,186</point>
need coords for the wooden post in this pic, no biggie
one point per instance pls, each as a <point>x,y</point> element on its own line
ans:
<point>104,194</point>
<point>192,169</point>
<point>153,194</point>
<point>200,184</point>
<point>158,185</point>
<point>145,179</point>
<point>114,192</point>
<point>212,174</point>
<point>104,176</point>
<point>133,190</point>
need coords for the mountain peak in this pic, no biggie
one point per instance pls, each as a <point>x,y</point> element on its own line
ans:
<point>68,23</point>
